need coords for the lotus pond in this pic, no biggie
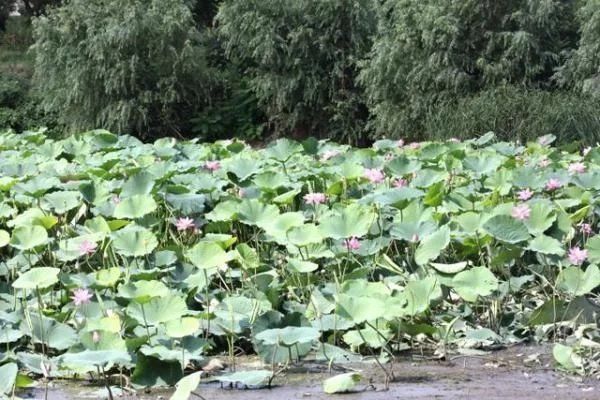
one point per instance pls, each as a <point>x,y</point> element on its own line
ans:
<point>135,265</point>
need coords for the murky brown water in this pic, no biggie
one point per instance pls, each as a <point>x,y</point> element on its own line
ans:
<point>523,372</point>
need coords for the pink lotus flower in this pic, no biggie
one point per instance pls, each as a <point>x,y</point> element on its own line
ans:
<point>585,228</point>
<point>399,143</point>
<point>315,198</point>
<point>241,193</point>
<point>87,248</point>
<point>81,296</point>
<point>374,175</point>
<point>184,223</point>
<point>328,154</point>
<point>212,166</point>
<point>415,238</point>
<point>577,168</point>
<point>414,145</point>
<point>95,337</point>
<point>116,199</point>
<point>544,162</point>
<point>525,194</point>
<point>577,256</point>
<point>553,184</point>
<point>400,182</point>
<point>521,212</point>
<point>352,243</point>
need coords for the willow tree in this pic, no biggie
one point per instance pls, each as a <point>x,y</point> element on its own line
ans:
<point>131,66</point>
<point>428,52</point>
<point>301,57</point>
<point>582,70</point>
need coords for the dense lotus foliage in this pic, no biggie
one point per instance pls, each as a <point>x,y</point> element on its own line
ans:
<point>146,260</point>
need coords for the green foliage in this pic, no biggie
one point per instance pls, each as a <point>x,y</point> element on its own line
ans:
<point>128,65</point>
<point>517,114</point>
<point>301,57</point>
<point>582,70</point>
<point>428,51</point>
<point>6,7</point>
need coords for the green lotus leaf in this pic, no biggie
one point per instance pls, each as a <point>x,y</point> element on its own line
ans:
<point>575,282</point>
<point>431,246</point>
<point>304,235</point>
<point>61,202</point>
<point>288,336</point>
<point>135,207</point>
<point>28,237</point>
<point>158,310</point>
<point>449,268</point>
<point>283,149</point>
<point>541,218</point>
<point>353,220</point>
<point>360,308</point>
<point>89,360</point>
<point>247,378</point>
<point>8,377</point>
<point>474,283</point>
<point>416,298</point>
<point>254,212</point>
<point>546,245</point>
<point>142,291</point>
<point>301,267</point>
<point>99,339</point>
<point>207,255</point>
<point>4,238</point>
<point>185,387</point>
<point>402,165</point>
<point>138,184</point>
<point>341,383</point>
<point>281,224</point>
<point>37,278</point>
<point>185,326</point>
<point>51,333</point>
<point>134,241</point>
<point>506,229</point>
<point>567,358</point>
<point>593,248</point>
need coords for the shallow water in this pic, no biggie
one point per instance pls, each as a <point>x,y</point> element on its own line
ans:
<point>521,372</point>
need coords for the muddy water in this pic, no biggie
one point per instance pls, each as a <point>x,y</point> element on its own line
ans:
<point>516,373</point>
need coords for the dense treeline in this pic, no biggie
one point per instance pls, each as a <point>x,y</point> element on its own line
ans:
<point>352,70</point>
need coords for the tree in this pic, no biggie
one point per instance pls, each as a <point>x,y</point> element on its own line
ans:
<point>430,51</point>
<point>6,7</point>
<point>582,70</point>
<point>301,57</point>
<point>35,8</point>
<point>126,65</point>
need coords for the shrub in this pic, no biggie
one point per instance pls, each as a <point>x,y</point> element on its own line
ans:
<point>430,51</point>
<point>301,59</point>
<point>126,65</point>
<point>517,114</point>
